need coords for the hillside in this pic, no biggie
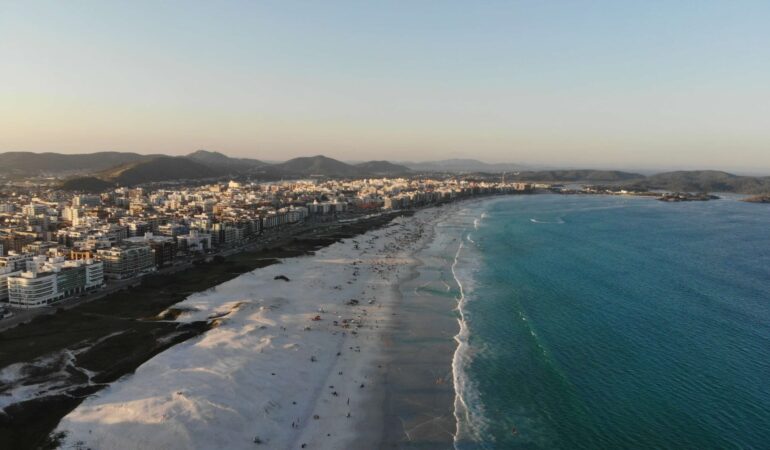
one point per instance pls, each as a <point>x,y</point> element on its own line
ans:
<point>220,161</point>
<point>381,168</point>
<point>316,165</point>
<point>705,181</point>
<point>575,175</point>
<point>162,168</point>
<point>86,184</point>
<point>459,165</point>
<point>32,164</point>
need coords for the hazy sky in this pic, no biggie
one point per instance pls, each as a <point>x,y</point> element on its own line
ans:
<point>571,83</point>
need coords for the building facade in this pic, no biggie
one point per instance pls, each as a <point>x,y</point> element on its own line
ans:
<point>53,280</point>
<point>127,261</point>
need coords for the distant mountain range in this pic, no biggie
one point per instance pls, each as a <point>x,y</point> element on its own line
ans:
<point>98,171</point>
<point>679,181</point>
<point>460,165</point>
<point>27,163</point>
<point>605,176</point>
<point>704,181</point>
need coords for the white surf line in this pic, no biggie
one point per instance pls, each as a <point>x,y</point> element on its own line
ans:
<point>460,338</point>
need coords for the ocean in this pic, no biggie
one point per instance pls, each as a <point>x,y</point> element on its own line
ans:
<point>598,322</point>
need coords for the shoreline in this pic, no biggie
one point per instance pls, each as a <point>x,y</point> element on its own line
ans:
<point>421,399</point>
<point>323,352</point>
<point>373,418</point>
<point>54,383</point>
<point>393,341</point>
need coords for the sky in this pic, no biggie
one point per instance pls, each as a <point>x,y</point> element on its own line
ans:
<point>647,84</point>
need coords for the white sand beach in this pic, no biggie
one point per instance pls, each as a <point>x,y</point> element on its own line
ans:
<point>289,364</point>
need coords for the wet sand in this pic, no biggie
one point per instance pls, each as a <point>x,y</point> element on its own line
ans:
<point>419,395</point>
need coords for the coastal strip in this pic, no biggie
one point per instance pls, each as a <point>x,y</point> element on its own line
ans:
<point>54,362</point>
<point>294,360</point>
<point>419,390</point>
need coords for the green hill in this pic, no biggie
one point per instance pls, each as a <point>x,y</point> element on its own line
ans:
<point>705,181</point>
<point>220,161</point>
<point>86,184</point>
<point>574,175</point>
<point>163,168</point>
<point>316,165</point>
<point>31,164</point>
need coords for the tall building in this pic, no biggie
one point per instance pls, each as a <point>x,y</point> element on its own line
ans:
<point>75,217</point>
<point>94,275</point>
<point>34,209</point>
<point>195,242</point>
<point>86,200</point>
<point>127,260</point>
<point>224,234</point>
<point>163,247</point>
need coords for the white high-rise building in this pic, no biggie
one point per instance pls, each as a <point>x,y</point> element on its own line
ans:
<point>48,281</point>
<point>32,290</point>
<point>94,274</point>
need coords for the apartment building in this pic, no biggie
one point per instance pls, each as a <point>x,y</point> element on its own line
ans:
<point>127,261</point>
<point>52,280</point>
<point>32,290</point>
<point>16,261</point>
<point>163,247</point>
<point>195,242</point>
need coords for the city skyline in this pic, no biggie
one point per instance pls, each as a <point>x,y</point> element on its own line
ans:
<point>592,85</point>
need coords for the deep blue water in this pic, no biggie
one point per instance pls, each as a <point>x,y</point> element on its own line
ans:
<point>612,323</point>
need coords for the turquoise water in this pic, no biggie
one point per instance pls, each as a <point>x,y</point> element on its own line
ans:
<point>610,322</point>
